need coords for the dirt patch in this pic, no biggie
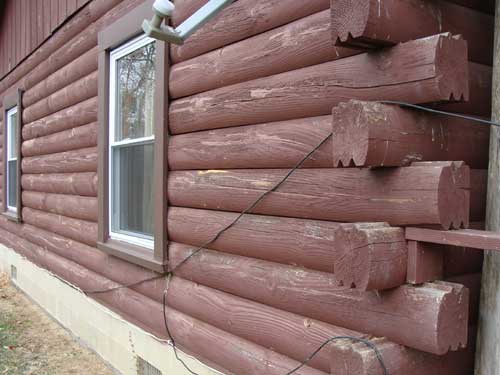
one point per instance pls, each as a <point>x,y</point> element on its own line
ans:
<point>31,343</point>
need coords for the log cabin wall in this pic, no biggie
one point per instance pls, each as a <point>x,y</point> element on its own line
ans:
<point>26,24</point>
<point>252,93</point>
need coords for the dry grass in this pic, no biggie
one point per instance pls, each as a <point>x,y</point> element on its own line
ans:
<point>31,343</point>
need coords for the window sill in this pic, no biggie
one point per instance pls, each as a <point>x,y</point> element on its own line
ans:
<point>134,254</point>
<point>12,216</point>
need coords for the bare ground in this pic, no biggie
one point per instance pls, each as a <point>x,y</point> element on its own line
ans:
<point>31,343</point>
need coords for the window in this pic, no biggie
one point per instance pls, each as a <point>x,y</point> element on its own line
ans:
<point>11,194</point>
<point>11,170</point>
<point>133,108</point>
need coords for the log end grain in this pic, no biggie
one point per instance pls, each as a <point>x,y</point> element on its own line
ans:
<point>349,21</point>
<point>373,257</point>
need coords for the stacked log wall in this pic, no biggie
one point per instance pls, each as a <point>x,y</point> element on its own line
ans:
<point>268,49</point>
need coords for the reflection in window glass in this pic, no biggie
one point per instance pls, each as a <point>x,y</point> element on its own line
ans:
<point>132,74</point>
<point>12,159</point>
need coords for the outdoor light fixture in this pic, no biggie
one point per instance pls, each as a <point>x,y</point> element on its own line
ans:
<point>163,9</point>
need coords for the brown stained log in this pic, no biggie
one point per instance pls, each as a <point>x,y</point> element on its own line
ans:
<point>273,145</point>
<point>73,206</point>
<point>371,256</point>
<point>62,183</point>
<point>76,69</point>
<point>80,137</point>
<point>242,20</point>
<point>426,194</point>
<point>297,242</point>
<point>83,160</point>
<point>370,134</point>
<point>368,24</point>
<point>78,91</point>
<point>79,114</point>
<point>480,88</point>
<point>75,229</point>
<point>228,351</point>
<point>427,70</point>
<point>472,282</point>
<point>432,317</point>
<point>356,359</point>
<point>425,262</point>
<point>304,42</point>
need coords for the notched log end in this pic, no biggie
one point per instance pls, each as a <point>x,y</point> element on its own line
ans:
<point>453,320</point>
<point>349,20</point>
<point>452,67</point>
<point>352,358</point>
<point>371,256</point>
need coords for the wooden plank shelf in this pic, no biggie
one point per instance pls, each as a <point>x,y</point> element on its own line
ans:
<point>471,238</point>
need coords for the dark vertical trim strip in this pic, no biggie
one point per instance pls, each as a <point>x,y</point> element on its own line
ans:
<point>19,130</point>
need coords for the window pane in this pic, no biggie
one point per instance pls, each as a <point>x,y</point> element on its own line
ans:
<point>132,189</point>
<point>134,93</point>
<point>12,183</point>
<point>12,134</point>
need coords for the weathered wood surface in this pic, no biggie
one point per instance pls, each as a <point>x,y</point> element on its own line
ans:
<point>472,282</point>
<point>79,114</point>
<point>425,262</point>
<point>432,317</point>
<point>427,194</point>
<point>305,243</point>
<point>228,351</point>
<point>80,137</point>
<point>356,359</point>
<point>73,71</point>
<point>302,43</point>
<point>370,24</point>
<point>370,134</point>
<point>427,70</point>
<point>75,229</point>
<point>73,206</point>
<point>371,256</point>
<point>62,183</point>
<point>272,145</point>
<point>75,92</point>
<point>82,160</point>
<point>471,238</point>
<point>242,20</point>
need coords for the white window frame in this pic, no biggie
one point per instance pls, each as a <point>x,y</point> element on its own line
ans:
<point>114,56</point>
<point>11,112</point>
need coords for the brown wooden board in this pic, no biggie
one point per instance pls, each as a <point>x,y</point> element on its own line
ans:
<point>425,262</point>
<point>62,183</point>
<point>368,24</point>
<point>370,134</point>
<point>427,70</point>
<point>426,194</point>
<point>82,160</point>
<point>471,238</point>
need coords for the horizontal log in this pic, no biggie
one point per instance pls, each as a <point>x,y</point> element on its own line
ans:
<point>75,229</point>
<point>432,317</point>
<point>76,161</point>
<point>68,118</point>
<point>76,92</point>
<point>73,206</point>
<point>427,70</point>
<point>302,43</point>
<point>427,194</point>
<point>349,358</point>
<point>472,282</point>
<point>73,71</point>
<point>369,134</point>
<point>242,20</point>
<point>373,257</point>
<point>66,140</point>
<point>62,183</point>
<point>425,262</point>
<point>273,145</point>
<point>305,243</point>
<point>371,24</point>
<point>228,351</point>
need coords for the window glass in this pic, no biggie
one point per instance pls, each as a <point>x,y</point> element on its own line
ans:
<point>131,156</point>
<point>12,159</point>
<point>134,92</point>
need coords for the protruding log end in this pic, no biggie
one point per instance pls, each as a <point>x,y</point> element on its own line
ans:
<point>455,308</point>
<point>349,21</point>
<point>452,67</point>
<point>374,256</point>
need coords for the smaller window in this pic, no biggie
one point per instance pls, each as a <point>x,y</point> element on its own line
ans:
<point>11,166</point>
